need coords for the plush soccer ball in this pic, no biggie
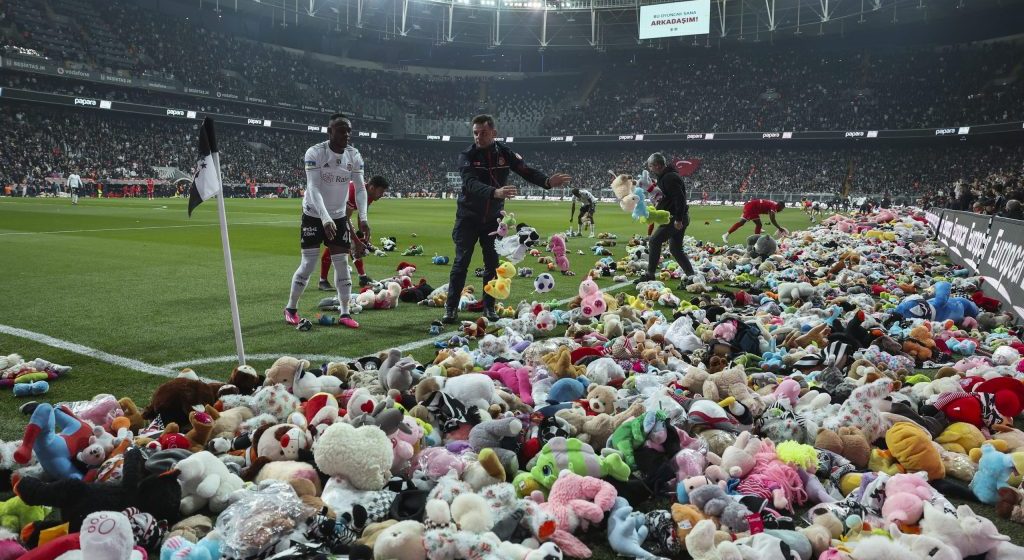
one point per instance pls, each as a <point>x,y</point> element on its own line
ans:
<point>544,283</point>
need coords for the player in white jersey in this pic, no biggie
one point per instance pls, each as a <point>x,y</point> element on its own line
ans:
<point>329,167</point>
<point>74,184</point>
<point>588,205</point>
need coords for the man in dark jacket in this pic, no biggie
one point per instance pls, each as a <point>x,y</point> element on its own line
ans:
<point>485,167</point>
<point>674,201</point>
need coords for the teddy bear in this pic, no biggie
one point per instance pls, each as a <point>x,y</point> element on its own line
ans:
<point>905,495</point>
<point>575,502</point>
<point>173,400</point>
<point>599,399</point>
<point>596,429</point>
<point>556,244</point>
<point>158,494</point>
<point>396,372</point>
<point>848,441</point>
<point>729,382</point>
<point>282,372</point>
<point>790,292</point>
<point>205,482</point>
<point>994,469</point>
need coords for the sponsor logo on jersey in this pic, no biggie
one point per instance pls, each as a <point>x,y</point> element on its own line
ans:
<point>310,164</point>
<point>501,161</point>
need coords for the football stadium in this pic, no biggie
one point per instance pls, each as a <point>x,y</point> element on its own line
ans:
<point>512,279</point>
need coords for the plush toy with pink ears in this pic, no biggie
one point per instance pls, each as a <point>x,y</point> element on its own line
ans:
<point>557,246</point>
<point>593,304</point>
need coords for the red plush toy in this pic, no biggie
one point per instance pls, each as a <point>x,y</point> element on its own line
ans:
<point>984,302</point>
<point>992,404</point>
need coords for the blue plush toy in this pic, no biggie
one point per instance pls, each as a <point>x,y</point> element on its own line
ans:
<point>178,548</point>
<point>942,307</point>
<point>994,470</point>
<point>28,389</point>
<point>641,212</point>
<point>567,389</point>
<point>626,531</point>
<point>439,259</point>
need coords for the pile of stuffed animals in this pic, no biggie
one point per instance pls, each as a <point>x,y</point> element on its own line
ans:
<point>782,417</point>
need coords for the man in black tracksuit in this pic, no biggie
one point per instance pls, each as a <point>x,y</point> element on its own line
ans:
<point>485,166</point>
<point>674,201</point>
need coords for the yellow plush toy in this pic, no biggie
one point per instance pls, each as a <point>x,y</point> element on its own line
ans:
<point>961,437</point>
<point>912,446</point>
<point>559,363</point>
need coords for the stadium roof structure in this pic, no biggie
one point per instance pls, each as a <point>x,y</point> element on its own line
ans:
<point>602,24</point>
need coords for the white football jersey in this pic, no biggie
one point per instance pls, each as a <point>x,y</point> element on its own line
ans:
<point>327,178</point>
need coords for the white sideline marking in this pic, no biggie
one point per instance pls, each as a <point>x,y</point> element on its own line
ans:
<point>234,357</point>
<point>215,224</point>
<point>121,361</point>
<point>430,340</point>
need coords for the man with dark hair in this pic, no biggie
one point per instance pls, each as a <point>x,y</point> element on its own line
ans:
<point>752,211</point>
<point>674,201</point>
<point>485,166</point>
<point>375,190</point>
<point>330,165</point>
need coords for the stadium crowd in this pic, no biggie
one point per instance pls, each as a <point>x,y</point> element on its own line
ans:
<point>54,142</point>
<point>719,90</point>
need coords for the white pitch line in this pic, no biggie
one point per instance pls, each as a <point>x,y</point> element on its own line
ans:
<point>121,361</point>
<point>148,227</point>
<point>234,357</point>
<point>430,340</point>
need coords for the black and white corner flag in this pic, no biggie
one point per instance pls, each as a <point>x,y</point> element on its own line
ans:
<point>206,178</point>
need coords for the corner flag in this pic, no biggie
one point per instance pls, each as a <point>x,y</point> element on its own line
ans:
<point>206,178</point>
<point>206,183</point>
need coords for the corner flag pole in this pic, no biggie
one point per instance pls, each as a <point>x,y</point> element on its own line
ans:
<point>206,183</point>
<point>236,323</point>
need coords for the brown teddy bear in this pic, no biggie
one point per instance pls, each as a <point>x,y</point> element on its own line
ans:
<point>849,442</point>
<point>245,379</point>
<point>595,430</point>
<point>173,400</point>
<point>283,372</point>
<point>729,382</point>
<point>599,399</point>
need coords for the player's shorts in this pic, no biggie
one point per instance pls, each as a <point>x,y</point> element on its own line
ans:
<point>750,211</point>
<point>589,209</point>
<point>313,235</point>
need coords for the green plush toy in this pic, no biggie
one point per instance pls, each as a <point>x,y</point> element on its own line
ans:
<point>570,453</point>
<point>655,216</point>
<point>634,432</point>
<point>413,251</point>
<point>15,514</point>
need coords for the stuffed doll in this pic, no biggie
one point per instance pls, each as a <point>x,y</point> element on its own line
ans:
<point>571,454</point>
<point>994,471</point>
<point>173,400</point>
<point>205,482</point>
<point>54,450</point>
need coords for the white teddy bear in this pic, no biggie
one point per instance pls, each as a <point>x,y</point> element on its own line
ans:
<point>205,481</point>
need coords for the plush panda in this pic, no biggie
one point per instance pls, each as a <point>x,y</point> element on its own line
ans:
<point>388,243</point>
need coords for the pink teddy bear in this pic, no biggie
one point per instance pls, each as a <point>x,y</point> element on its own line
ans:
<point>593,304</point>
<point>575,502</point>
